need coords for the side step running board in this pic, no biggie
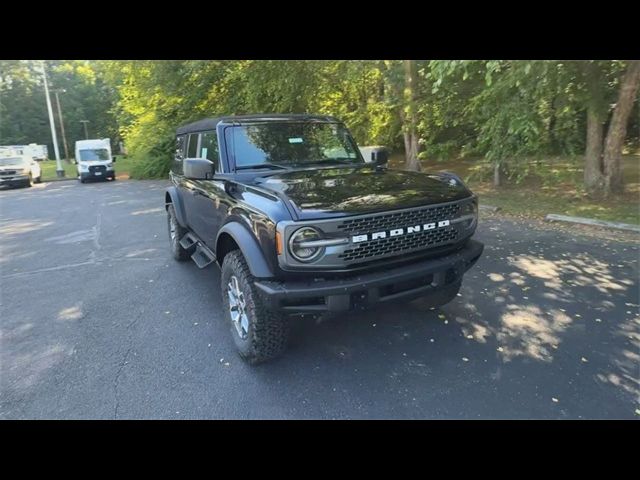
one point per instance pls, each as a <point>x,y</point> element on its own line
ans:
<point>188,241</point>
<point>203,256</point>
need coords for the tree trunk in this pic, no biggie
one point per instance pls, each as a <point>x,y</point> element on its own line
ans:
<point>613,182</point>
<point>496,174</point>
<point>410,119</point>
<point>593,178</point>
<point>597,110</point>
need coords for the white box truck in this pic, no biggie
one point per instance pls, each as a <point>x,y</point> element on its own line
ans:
<point>94,159</point>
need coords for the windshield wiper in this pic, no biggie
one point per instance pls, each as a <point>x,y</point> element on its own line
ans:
<point>270,166</point>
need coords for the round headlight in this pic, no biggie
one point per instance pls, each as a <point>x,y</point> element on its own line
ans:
<point>297,246</point>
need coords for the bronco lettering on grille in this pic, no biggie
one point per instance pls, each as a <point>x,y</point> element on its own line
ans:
<point>396,232</point>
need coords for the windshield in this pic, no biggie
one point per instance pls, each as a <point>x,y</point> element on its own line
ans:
<point>94,154</point>
<point>291,144</point>
<point>12,161</point>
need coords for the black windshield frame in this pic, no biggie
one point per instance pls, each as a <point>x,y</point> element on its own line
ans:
<point>350,144</point>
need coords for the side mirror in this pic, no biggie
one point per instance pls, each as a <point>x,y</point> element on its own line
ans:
<point>198,168</point>
<point>113,159</point>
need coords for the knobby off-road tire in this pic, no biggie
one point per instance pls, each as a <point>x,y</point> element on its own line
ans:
<point>176,232</point>
<point>267,334</point>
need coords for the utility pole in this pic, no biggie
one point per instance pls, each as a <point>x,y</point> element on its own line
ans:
<point>59,169</point>
<point>86,134</point>
<point>64,137</point>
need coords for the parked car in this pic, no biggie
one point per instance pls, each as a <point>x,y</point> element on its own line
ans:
<point>19,170</point>
<point>94,160</point>
<point>300,224</point>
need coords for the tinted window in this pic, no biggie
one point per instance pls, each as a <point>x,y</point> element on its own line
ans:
<point>293,144</point>
<point>193,146</point>
<point>209,147</point>
<point>176,167</point>
<point>180,141</point>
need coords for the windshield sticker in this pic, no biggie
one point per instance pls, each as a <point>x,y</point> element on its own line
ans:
<point>295,140</point>
<point>204,152</point>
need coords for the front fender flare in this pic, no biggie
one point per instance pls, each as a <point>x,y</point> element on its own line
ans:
<point>172,194</point>
<point>249,247</point>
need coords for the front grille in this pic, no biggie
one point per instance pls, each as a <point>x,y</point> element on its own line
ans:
<point>97,168</point>
<point>404,244</point>
<point>400,219</point>
<point>8,172</point>
<point>407,243</point>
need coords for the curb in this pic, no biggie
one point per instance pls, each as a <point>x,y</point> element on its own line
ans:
<point>63,179</point>
<point>552,217</point>
<point>489,208</point>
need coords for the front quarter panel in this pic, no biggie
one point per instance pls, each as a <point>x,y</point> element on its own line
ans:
<point>257,213</point>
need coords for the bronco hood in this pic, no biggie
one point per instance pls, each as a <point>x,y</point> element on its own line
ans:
<point>331,192</point>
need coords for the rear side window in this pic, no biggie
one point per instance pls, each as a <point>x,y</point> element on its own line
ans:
<point>192,151</point>
<point>180,141</point>
<point>180,151</point>
<point>209,147</point>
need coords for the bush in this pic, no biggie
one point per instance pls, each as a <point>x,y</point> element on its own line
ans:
<point>147,167</point>
<point>155,163</point>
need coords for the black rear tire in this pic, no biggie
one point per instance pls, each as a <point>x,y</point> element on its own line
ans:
<point>267,335</point>
<point>176,232</point>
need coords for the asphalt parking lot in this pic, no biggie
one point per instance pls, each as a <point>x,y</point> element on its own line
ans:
<point>98,321</point>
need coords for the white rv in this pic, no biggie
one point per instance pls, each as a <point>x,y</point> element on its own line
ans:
<point>94,159</point>
<point>37,152</point>
<point>34,151</point>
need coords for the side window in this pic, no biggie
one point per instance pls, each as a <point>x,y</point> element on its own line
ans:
<point>209,147</point>
<point>180,147</point>
<point>179,156</point>
<point>192,152</point>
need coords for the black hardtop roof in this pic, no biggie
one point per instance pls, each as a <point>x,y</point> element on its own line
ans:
<point>210,123</point>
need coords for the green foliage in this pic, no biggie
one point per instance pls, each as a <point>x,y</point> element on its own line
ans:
<point>154,163</point>
<point>505,112</point>
<point>23,108</point>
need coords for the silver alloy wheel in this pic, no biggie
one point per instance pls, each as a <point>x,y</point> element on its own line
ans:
<point>173,228</point>
<point>238,307</point>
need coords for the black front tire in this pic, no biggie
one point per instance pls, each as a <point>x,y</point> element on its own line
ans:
<point>268,332</point>
<point>176,232</point>
<point>29,181</point>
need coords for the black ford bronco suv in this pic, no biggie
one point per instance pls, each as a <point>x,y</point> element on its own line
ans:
<point>301,224</point>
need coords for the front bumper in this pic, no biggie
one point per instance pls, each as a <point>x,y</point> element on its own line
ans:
<point>434,277</point>
<point>92,175</point>
<point>13,179</point>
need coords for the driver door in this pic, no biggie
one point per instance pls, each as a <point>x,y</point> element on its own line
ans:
<point>206,210</point>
